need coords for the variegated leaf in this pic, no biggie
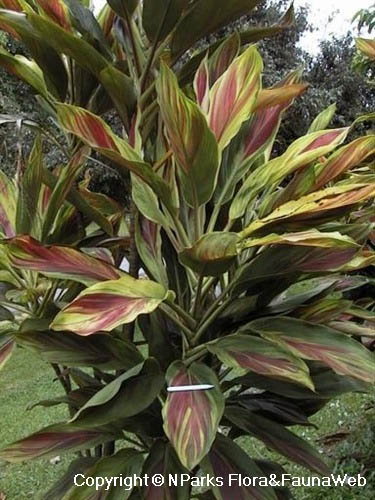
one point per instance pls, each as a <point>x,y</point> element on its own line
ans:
<point>315,204</point>
<point>103,306</point>
<point>8,205</point>
<point>319,343</point>
<point>233,96</point>
<point>226,461</point>
<point>303,151</point>
<point>58,262</point>
<point>56,11</point>
<point>191,418</point>
<point>367,47</point>
<point>278,438</point>
<point>25,69</point>
<point>98,135</point>
<point>57,438</point>
<point>311,238</point>
<point>249,353</point>
<point>191,140</point>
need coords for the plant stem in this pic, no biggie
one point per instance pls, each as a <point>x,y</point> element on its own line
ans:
<point>198,294</point>
<point>172,316</point>
<point>184,315</point>
<point>214,313</point>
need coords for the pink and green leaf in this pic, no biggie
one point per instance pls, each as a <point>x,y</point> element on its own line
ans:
<point>191,140</point>
<point>56,439</point>
<point>367,47</point>
<point>249,353</point>
<point>191,418</point>
<point>233,96</point>
<point>302,152</point>
<point>106,305</point>
<point>310,238</point>
<point>315,204</point>
<point>97,134</point>
<point>226,460</point>
<point>317,342</point>
<point>58,262</point>
<point>8,205</point>
<point>56,11</point>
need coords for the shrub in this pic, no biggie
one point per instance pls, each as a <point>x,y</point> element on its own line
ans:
<point>247,257</point>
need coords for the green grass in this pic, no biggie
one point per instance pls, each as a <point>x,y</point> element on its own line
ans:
<point>26,380</point>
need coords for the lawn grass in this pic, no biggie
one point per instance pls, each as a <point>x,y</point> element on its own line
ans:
<point>26,380</point>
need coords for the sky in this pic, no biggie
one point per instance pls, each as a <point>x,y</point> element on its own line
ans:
<point>341,12</point>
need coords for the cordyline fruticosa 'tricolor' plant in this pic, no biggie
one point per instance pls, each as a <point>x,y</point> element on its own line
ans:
<point>247,257</point>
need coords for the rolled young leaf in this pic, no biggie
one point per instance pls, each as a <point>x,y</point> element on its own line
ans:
<point>212,254</point>
<point>105,305</point>
<point>191,418</point>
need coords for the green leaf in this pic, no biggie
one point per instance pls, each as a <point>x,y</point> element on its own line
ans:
<point>276,437</point>
<point>127,395</point>
<point>191,419</point>
<point>323,119</point>
<point>55,439</point>
<point>204,18</point>
<point>226,458</point>
<point>249,353</point>
<point>163,460</point>
<point>317,342</point>
<point>25,69</point>
<point>125,463</point>
<point>159,18</point>
<point>191,140</point>
<point>212,254</point>
<point>97,351</point>
<point>123,8</point>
